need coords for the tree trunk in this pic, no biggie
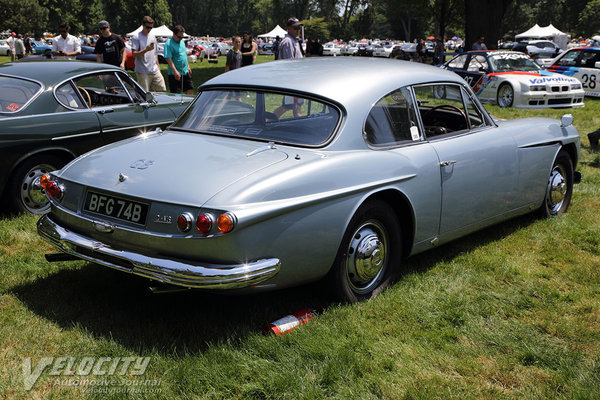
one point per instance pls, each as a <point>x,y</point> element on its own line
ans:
<point>484,17</point>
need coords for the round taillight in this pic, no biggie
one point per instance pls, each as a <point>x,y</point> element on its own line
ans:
<point>225,222</point>
<point>204,223</point>
<point>184,222</point>
<point>54,190</point>
<point>44,179</point>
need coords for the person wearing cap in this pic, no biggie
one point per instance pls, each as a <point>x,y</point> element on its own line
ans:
<point>180,75</point>
<point>143,49</point>
<point>289,46</point>
<point>110,48</point>
<point>65,45</point>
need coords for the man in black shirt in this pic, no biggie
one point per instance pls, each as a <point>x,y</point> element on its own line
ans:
<point>110,48</point>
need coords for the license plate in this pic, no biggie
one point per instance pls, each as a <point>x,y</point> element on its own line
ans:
<point>114,207</point>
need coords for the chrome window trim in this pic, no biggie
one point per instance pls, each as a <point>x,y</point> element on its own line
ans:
<point>308,96</point>
<point>72,79</point>
<point>407,143</point>
<point>74,86</point>
<point>35,96</point>
<point>125,87</point>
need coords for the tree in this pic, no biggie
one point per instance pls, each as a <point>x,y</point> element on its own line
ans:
<point>316,29</point>
<point>23,16</point>
<point>484,17</point>
<point>589,20</point>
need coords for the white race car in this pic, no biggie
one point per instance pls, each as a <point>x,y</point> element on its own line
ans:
<point>582,63</point>
<point>509,78</point>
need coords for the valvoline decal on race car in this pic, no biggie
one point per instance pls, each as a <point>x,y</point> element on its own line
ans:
<point>482,83</point>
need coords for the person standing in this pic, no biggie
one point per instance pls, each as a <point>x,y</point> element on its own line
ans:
<point>11,43</point>
<point>479,44</point>
<point>289,46</point>
<point>234,56</point>
<point>438,52</point>
<point>110,48</point>
<point>65,45</point>
<point>19,47</point>
<point>248,49</point>
<point>27,43</point>
<point>276,47</point>
<point>180,75</point>
<point>143,49</point>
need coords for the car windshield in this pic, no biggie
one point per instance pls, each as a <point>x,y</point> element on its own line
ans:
<point>512,62</point>
<point>15,93</point>
<point>258,115</point>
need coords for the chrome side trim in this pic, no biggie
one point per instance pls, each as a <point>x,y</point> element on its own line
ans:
<point>206,276</point>
<point>151,125</point>
<point>74,136</point>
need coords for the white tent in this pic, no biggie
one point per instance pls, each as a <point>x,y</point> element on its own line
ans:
<point>597,37</point>
<point>160,31</point>
<point>277,31</point>
<point>546,32</point>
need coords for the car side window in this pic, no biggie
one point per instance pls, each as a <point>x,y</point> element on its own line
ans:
<point>476,118</point>
<point>392,121</point>
<point>442,109</point>
<point>589,58</point>
<point>569,59</point>
<point>68,97</point>
<point>136,92</point>
<point>102,89</point>
<point>458,62</point>
<point>477,63</point>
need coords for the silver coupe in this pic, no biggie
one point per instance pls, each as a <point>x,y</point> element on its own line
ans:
<point>287,172</point>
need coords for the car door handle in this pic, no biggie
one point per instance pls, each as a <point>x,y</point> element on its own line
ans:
<point>106,110</point>
<point>447,163</point>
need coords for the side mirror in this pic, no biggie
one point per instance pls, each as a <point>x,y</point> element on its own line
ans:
<point>150,98</point>
<point>566,120</point>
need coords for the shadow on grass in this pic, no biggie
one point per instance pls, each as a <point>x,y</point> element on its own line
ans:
<point>115,306</point>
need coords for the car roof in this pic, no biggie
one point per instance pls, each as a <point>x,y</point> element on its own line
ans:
<point>52,71</point>
<point>341,79</point>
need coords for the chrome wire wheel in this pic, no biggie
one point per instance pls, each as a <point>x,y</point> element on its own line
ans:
<point>556,190</point>
<point>506,95</point>
<point>32,196</point>
<point>367,256</point>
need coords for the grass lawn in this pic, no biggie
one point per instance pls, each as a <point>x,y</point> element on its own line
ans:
<point>508,313</point>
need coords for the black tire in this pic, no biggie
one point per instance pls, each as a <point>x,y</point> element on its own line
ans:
<point>24,191</point>
<point>559,188</point>
<point>374,229</point>
<point>506,95</point>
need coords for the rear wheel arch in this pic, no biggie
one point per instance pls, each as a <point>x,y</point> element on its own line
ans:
<point>405,213</point>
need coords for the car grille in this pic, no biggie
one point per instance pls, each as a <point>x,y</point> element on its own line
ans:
<point>559,101</point>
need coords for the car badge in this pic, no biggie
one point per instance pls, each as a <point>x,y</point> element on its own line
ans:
<point>162,219</point>
<point>141,164</point>
<point>122,177</point>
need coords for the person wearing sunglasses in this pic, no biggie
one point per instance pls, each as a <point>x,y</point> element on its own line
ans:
<point>180,75</point>
<point>110,48</point>
<point>143,49</point>
<point>65,45</point>
<point>289,46</point>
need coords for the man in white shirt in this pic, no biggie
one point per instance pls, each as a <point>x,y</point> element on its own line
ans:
<point>143,49</point>
<point>11,43</point>
<point>65,45</point>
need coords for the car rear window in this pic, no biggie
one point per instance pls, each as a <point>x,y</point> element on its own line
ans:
<point>15,93</point>
<point>260,115</point>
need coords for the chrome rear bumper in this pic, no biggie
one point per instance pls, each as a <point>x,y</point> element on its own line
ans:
<point>214,276</point>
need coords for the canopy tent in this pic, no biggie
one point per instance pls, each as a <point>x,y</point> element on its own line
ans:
<point>160,31</point>
<point>546,32</point>
<point>277,31</point>
<point>597,38</point>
